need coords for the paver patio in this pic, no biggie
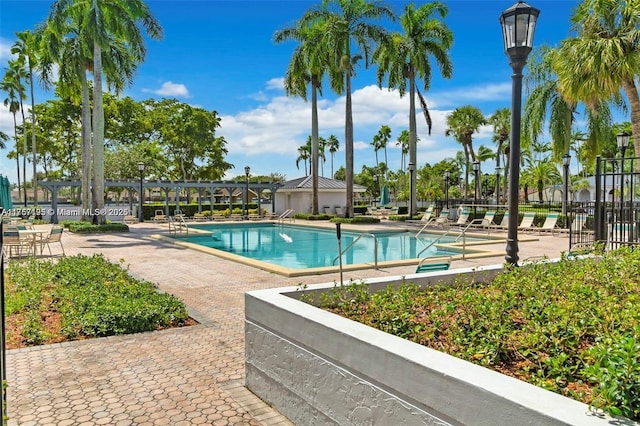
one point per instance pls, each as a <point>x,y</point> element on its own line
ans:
<point>181,376</point>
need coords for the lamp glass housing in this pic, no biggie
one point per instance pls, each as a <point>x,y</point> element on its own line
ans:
<point>247,170</point>
<point>141,166</point>
<point>518,26</point>
<point>623,140</point>
<point>566,160</point>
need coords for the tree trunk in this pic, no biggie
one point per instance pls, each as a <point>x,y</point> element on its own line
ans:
<point>99,213</point>
<point>348,143</point>
<point>413,145</point>
<point>85,159</point>
<point>15,139</point>
<point>33,137</point>
<point>314,145</point>
<point>631,91</point>
<point>24,154</point>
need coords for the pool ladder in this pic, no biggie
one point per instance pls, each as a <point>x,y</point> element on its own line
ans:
<point>375,249</point>
<point>178,228</point>
<point>462,234</point>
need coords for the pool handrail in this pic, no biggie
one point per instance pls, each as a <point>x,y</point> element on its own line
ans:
<point>375,249</point>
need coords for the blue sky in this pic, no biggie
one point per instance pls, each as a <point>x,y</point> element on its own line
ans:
<point>220,55</point>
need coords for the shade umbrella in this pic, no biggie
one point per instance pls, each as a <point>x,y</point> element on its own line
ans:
<point>384,196</point>
<point>5,189</point>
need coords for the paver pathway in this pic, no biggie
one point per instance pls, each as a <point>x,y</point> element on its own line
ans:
<point>182,376</point>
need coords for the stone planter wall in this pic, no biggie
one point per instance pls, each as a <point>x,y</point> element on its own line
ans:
<point>318,368</point>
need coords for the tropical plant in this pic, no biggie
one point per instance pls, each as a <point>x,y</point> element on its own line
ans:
<point>333,144</point>
<point>9,85</point>
<point>501,122</point>
<point>462,123</point>
<point>347,28</point>
<point>404,57</point>
<point>25,47</point>
<point>403,143</point>
<point>380,141</point>
<point>540,172</point>
<point>308,65</point>
<point>304,154</point>
<point>106,23</point>
<point>603,58</point>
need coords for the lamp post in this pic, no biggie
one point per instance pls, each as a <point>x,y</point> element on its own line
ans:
<point>446,187</point>
<point>476,181</point>
<point>247,170</point>
<point>141,193</point>
<point>566,160</point>
<point>623,143</point>
<point>498,170</point>
<point>375,188</point>
<point>412,169</point>
<point>518,25</point>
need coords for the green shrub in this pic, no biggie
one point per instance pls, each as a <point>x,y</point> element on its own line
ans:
<point>356,219</point>
<point>92,296</point>
<point>309,216</point>
<point>570,327</point>
<point>87,228</point>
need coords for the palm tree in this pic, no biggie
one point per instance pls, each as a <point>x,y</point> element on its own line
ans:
<point>8,85</point>
<point>545,104</point>
<point>322,146</point>
<point>304,154</point>
<point>307,66</point>
<point>463,122</point>
<point>403,143</point>
<point>381,139</point>
<point>540,172</point>
<point>333,144</point>
<point>25,48</point>
<point>404,57</point>
<point>603,58</point>
<point>347,27</point>
<point>17,74</point>
<point>501,122</point>
<point>105,23</point>
<point>3,140</point>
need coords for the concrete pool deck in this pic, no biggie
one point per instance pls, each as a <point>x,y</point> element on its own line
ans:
<point>181,376</point>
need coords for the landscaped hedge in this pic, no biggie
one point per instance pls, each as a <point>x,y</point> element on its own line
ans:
<point>87,227</point>
<point>309,216</point>
<point>572,327</point>
<point>82,296</point>
<point>356,219</point>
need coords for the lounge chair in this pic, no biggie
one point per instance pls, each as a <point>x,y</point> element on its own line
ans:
<point>339,211</point>
<point>429,264</point>
<point>219,216</point>
<point>130,219</point>
<point>527,221</point>
<point>486,222</point>
<point>255,216</point>
<point>160,217</point>
<point>549,225</point>
<point>55,236</point>
<point>426,217</point>
<point>462,219</point>
<point>504,223</point>
<point>441,220</point>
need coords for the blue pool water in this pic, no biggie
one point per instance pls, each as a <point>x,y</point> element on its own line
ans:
<point>299,247</point>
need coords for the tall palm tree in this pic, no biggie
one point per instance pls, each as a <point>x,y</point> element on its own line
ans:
<point>462,123</point>
<point>308,65</point>
<point>540,173</point>
<point>382,139</point>
<point>403,143</point>
<point>404,58</point>
<point>25,47</point>
<point>8,85</point>
<point>501,122</point>
<point>304,154</point>
<point>17,74</point>
<point>348,28</point>
<point>603,58</point>
<point>105,23</point>
<point>545,104</point>
<point>334,145</point>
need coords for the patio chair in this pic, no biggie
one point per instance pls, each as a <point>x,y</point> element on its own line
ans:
<point>486,222</point>
<point>527,221</point>
<point>441,220</point>
<point>504,223</point>
<point>14,245</point>
<point>55,236</point>
<point>160,217</point>
<point>463,218</point>
<point>549,225</point>
<point>426,216</point>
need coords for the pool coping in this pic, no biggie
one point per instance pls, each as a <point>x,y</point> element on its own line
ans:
<point>289,272</point>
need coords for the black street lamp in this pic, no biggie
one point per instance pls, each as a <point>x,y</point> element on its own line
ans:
<point>446,187</point>
<point>141,193</point>
<point>623,143</point>
<point>476,181</point>
<point>412,169</point>
<point>566,160</point>
<point>247,170</point>
<point>518,25</point>
<point>375,188</point>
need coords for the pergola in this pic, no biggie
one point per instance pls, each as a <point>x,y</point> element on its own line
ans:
<point>168,186</point>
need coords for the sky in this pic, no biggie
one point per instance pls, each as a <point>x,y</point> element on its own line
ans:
<point>220,55</point>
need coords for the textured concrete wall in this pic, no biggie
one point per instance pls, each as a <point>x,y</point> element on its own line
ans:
<point>318,368</point>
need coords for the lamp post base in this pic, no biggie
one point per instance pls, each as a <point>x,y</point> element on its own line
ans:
<point>512,252</point>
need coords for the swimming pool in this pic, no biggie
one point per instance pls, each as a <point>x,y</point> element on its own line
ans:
<point>295,247</point>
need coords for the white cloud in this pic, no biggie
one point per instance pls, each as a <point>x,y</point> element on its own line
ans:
<point>170,88</point>
<point>463,95</point>
<point>275,84</point>
<point>5,50</point>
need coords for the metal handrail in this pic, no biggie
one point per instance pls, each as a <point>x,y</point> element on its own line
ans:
<point>181,224</point>
<point>375,249</point>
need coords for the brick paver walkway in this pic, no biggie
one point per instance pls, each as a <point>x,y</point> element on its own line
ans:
<point>184,376</point>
